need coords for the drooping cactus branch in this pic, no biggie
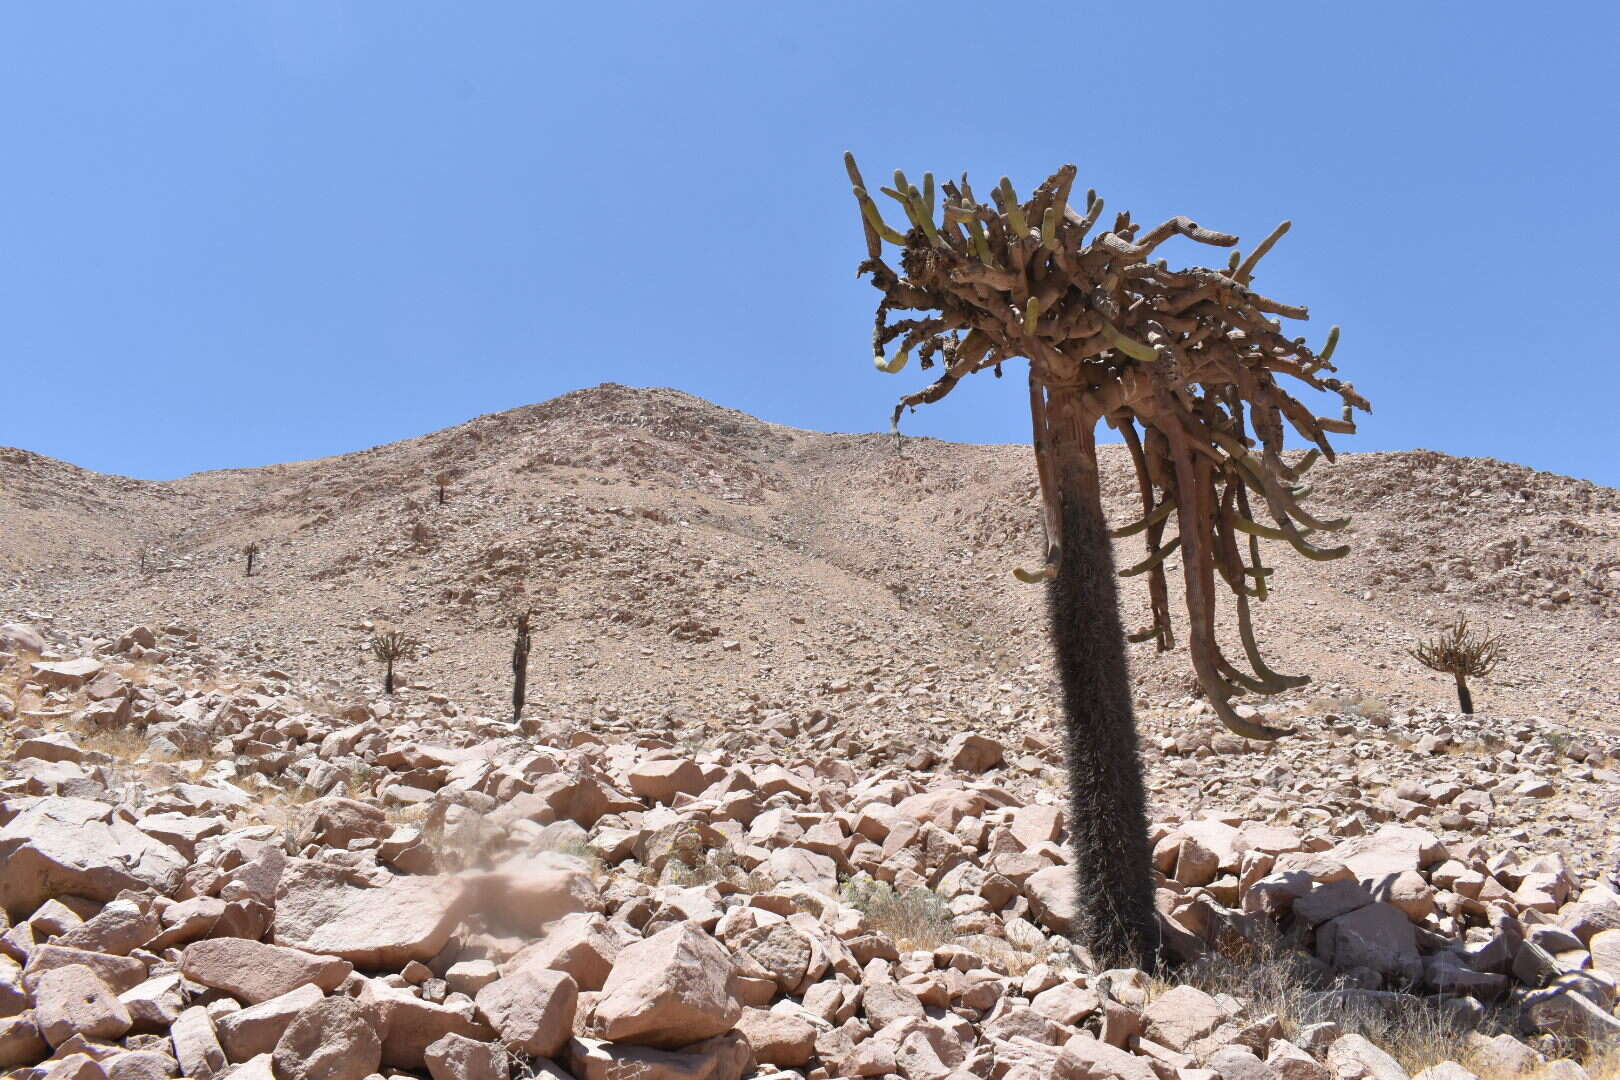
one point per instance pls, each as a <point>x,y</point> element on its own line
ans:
<point>1184,363</point>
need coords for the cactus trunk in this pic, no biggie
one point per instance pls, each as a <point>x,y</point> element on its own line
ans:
<point>1108,812</point>
<point>1465,700</point>
<point>520,667</point>
<point>388,677</point>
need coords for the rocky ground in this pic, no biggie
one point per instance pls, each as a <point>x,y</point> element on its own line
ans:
<point>789,797</point>
<point>215,872</point>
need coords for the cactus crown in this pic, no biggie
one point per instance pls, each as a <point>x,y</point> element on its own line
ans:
<point>1191,357</point>
<point>388,644</point>
<point>1459,652</point>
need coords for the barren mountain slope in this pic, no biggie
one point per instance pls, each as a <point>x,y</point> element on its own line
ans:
<point>682,558</point>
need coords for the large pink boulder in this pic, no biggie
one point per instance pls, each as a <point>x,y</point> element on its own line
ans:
<point>65,845</point>
<point>669,990</point>
<point>325,909</point>
<point>252,971</point>
<point>532,1009</point>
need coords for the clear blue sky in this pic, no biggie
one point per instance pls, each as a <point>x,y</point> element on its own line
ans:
<point>241,233</point>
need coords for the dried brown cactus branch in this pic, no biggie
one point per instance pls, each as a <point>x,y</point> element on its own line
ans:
<point>1180,351</point>
<point>1186,362</point>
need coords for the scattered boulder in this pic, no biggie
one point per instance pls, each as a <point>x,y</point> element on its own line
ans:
<point>669,990</point>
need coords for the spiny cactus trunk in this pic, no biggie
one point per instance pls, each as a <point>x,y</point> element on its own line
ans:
<point>250,564</point>
<point>520,667</point>
<point>388,677</point>
<point>1108,813</point>
<point>1465,700</point>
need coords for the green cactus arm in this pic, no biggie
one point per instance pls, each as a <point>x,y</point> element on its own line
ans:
<point>1245,273</point>
<point>1129,346</point>
<point>1159,513</point>
<point>1260,572</point>
<point>1032,313</point>
<point>1013,209</point>
<point>1152,560</point>
<point>894,366</point>
<point>870,211</point>
<point>981,246</point>
<point>874,241</point>
<point>1049,222</point>
<point>1275,681</point>
<point>1326,354</point>
<point>1254,528</point>
<point>1277,307</point>
<point>922,215</point>
<point>1034,577</point>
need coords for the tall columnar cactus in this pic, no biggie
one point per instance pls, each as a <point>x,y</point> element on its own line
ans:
<point>1184,364</point>
<point>1461,654</point>
<point>388,646</point>
<point>251,551</point>
<point>520,666</point>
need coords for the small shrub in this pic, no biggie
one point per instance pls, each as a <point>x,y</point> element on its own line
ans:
<point>915,919</point>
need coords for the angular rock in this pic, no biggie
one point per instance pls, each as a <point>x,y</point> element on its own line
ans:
<point>669,990</point>
<point>20,1041</point>
<point>1182,1016</point>
<point>1353,1057</point>
<point>1085,1057</point>
<point>322,908</point>
<point>73,1000</point>
<point>662,779</point>
<point>782,1039</point>
<point>968,752</point>
<point>196,1045</point>
<point>331,1040</point>
<point>58,846</point>
<point>582,944</point>
<point>247,1033</point>
<point>334,822</point>
<point>456,1057</point>
<point>254,972</point>
<point>532,1009</point>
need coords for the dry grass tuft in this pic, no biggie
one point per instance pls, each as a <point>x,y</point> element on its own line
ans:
<point>914,919</point>
<point>1271,976</point>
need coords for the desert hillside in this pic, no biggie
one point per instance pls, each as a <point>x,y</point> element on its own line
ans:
<point>788,800</point>
<point>678,555</point>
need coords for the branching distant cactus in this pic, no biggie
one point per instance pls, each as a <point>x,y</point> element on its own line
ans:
<point>520,666</point>
<point>251,551</point>
<point>441,480</point>
<point>1461,654</point>
<point>389,645</point>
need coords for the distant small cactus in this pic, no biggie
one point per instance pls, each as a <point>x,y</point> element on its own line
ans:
<point>441,480</point>
<point>389,645</point>
<point>520,666</point>
<point>251,551</point>
<point>1462,655</point>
